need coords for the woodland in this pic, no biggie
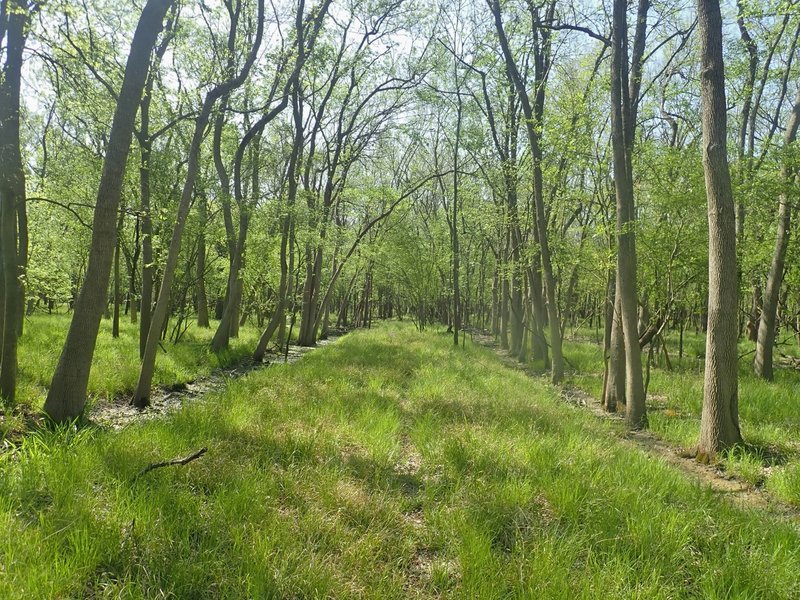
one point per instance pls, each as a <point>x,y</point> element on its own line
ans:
<point>399,299</point>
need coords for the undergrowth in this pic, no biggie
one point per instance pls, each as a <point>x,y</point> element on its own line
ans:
<point>769,419</point>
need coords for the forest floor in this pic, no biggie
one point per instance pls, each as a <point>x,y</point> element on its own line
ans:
<point>725,481</point>
<point>115,369</point>
<point>117,412</point>
<point>386,465</point>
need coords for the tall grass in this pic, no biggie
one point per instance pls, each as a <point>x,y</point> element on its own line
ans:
<point>115,367</point>
<point>387,465</point>
<point>769,418</point>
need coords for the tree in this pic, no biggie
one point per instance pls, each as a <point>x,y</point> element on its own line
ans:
<point>141,397</point>
<point>533,112</point>
<point>769,309</point>
<point>67,395</point>
<point>719,424</point>
<point>15,17</point>
<point>622,123</point>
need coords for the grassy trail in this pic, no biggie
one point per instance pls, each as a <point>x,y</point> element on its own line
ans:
<point>387,465</point>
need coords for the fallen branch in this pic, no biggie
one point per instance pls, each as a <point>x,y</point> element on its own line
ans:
<point>172,463</point>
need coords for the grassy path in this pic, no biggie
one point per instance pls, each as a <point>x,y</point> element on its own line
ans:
<point>387,465</point>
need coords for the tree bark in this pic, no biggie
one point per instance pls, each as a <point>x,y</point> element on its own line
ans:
<point>67,395</point>
<point>769,309</point>
<point>622,142</point>
<point>719,423</point>
<point>15,16</point>
<point>141,397</point>
<point>202,297</point>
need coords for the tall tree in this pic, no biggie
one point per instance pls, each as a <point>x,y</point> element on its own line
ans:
<point>719,424</point>
<point>769,308</point>
<point>15,17</point>
<point>622,123</point>
<point>67,395</point>
<point>141,397</point>
<point>534,111</point>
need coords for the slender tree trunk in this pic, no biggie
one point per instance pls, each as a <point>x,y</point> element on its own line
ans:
<point>200,291</point>
<point>505,300</point>
<point>769,309</point>
<point>15,17</point>
<point>229,314</point>
<point>146,151</point>
<point>278,320</point>
<point>117,293</point>
<point>533,118</point>
<point>636,414</point>
<point>67,395</point>
<point>454,224</point>
<point>719,424</point>
<point>141,396</point>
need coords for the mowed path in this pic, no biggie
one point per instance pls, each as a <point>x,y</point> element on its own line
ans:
<point>386,465</point>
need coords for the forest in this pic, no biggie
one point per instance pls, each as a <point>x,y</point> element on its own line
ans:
<point>399,299</point>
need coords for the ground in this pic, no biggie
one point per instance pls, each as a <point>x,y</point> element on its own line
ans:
<point>386,465</point>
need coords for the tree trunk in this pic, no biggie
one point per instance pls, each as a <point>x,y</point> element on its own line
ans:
<point>769,309</point>
<point>636,413</point>
<point>141,396</point>
<point>533,119</point>
<point>15,16</point>
<point>230,312</point>
<point>719,424</point>
<point>200,291</point>
<point>67,395</point>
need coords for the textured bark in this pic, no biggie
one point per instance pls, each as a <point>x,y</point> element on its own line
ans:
<point>200,290</point>
<point>769,308</point>
<point>67,395</point>
<point>622,142</point>
<point>719,424</point>
<point>141,396</point>
<point>614,385</point>
<point>15,16</point>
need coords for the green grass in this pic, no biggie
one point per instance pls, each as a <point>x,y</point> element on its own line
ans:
<point>769,418</point>
<point>387,465</point>
<point>115,368</point>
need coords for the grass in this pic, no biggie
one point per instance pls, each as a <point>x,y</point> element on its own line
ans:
<point>115,368</point>
<point>387,465</point>
<point>769,418</point>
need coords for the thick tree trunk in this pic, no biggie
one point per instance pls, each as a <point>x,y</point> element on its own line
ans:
<point>769,309</point>
<point>67,395</point>
<point>719,424</point>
